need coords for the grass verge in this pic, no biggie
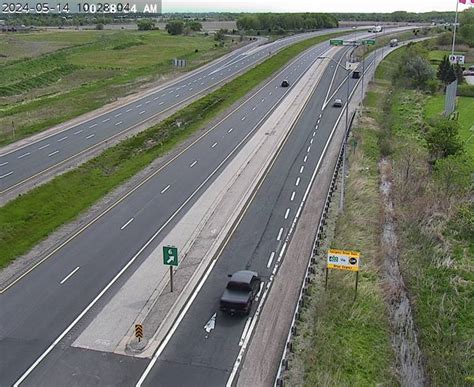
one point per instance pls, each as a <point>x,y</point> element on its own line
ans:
<point>30,218</point>
<point>342,342</point>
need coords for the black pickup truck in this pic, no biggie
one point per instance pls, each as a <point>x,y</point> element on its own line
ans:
<point>240,292</point>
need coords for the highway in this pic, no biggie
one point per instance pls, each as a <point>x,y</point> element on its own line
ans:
<point>43,311</point>
<point>34,159</point>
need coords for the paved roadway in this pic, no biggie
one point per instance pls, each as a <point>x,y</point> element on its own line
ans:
<point>193,358</point>
<point>51,297</point>
<point>34,159</point>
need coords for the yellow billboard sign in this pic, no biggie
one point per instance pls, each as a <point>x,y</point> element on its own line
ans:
<point>343,260</point>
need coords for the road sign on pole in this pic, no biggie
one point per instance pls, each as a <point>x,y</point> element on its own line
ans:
<point>139,331</point>
<point>369,42</point>
<point>336,42</point>
<point>343,260</point>
<point>170,256</point>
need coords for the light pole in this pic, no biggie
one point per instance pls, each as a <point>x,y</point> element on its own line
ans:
<point>341,201</point>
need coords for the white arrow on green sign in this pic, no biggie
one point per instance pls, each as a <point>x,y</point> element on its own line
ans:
<point>170,255</point>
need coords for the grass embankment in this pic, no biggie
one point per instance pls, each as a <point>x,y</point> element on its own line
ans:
<point>342,342</point>
<point>50,77</point>
<point>30,218</point>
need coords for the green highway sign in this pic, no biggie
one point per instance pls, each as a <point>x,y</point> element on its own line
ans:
<point>336,42</point>
<point>170,255</point>
<point>369,42</point>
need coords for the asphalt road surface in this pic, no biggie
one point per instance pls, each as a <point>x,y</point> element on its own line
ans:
<point>32,160</point>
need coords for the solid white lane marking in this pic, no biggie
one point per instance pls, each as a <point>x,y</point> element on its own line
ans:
<point>118,115</point>
<point>287,213</point>
<point>118,123</point>
<point>244,333</point>
<point>90,136</point>
<point>213,145</point>
<point>62,139</point>
<point>90,127</point>
<point>193,164</point>
<point>301,169</point>
<point>297,181</point>
<point>52,154</point>
<point>128,110</point>
<point>272,255</point>
<point>165,189</point>
<point>6,174</point>
<point>142,112</point>
<point>292,196</point>
<point>79,131</point>
<point>230,130</point>
<point>5,163</point>
<point>279,234</point>
<point>126,224</point>
<point>69,275</point>
<point>24,155</point>
<point>282,252</point>
<point>107,119</point>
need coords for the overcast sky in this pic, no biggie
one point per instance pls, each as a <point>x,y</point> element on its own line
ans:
<point>311,5</point>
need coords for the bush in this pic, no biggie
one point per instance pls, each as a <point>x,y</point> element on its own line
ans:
<point>99,26</point>
<point>443,138</point>
<point>466,90</point>
<point>145,25</point>
<point>175,27</point>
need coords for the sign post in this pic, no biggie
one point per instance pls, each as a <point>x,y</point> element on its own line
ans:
<point>170,258</point>
<point>139,332</point>
<point>343,260</point>
<point>336,42</point>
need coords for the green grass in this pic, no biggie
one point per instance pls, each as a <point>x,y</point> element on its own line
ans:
<point>30,218</point>
<point>86,70</point>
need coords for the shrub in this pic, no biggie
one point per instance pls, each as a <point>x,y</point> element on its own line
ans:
<point>466,90</point>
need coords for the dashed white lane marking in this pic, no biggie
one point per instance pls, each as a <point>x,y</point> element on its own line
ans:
<point>311,141</point>
<point>128,110</point>
<point>301,169</point>
<point>272,255</point>
<point>147,102</point>
<point>107,119</point>
<point>320,115</point>
<point>202,83</point>
<point>263,100</point>
<point>213,145</point>
<point>5,163</point>
<point>126,224</point>
<point>176,96</point>
<point>92,126</point>
<point>52,154</point>
<point>230,130</point>
<point>118,123</point>
<point>90,136</point>
<point>276,87</point>
<point>254,108</point>
<point>270,93</point>
<point>62,139</point>
<point>282,252</point>
<point>297,181</point>
<point>314,134</point>
<point>78,131</point>
<point>6,174</point>
<point>69,275</point>
<point>287,213</point>
<point>292,196</point>
<point>118,115</point>
<point>24,155</point>
<point>305,159</point>
<point>161,103</point>
<point>243,118</point>
<point>190,89</point>
<point>143,111</point>
<point>165,189</point>
<point>309,148</point>
<point>139,105</point>
<point>193,164</point>
<point>154,99</point>
<point>279,234</point>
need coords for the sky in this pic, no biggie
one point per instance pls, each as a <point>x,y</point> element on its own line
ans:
<point>311,6</point>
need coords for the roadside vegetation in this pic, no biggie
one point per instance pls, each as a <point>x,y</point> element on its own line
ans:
<point>50,77</point>
<point>33,216</point>
<point>431,163</point>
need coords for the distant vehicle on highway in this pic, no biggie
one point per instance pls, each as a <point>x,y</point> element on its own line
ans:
<point>356,74</point>
<point>285,83</point>
<point>375,29</point>
<point>393,42</point>
<point>337,102</point>
<point>240,292</point>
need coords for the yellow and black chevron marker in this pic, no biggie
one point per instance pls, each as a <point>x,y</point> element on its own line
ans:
<point>139,331</point>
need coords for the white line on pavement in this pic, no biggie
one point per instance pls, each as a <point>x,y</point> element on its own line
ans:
<point>118,123</point>
<point>297,182</point>
<point>154,99</point>
<point>230,130</point>
<point>193,164</point>
<point>161,103</point>
<point>244,333</point>
<point>126,224</point>
<point>107,119</point>
<point>143,111</point>
<point>44,146</point>
<point>90,127</point>
<point>214,145</point>
<point>301,169</point>
<point>305,159</point>
<point>287,213</point>
<point>292,196</point>
<point>6,174</point>
<point>78,131</point>
<point>118,115</point>
<point>24,155</point>
<point>309,148</point>
<point>272,255</point>
<point>311,141</point>
<point>243,118</point>
<point>147,102</point>
<point>90,136</point>
<point>52,154</point>
<point>69,275</point>
<point>279,234</point>
<point>314,134</point>
<point>62,139</point>
<point>129,110</point>
<point>139,105</point>
<point>5,163</point>
<point>165,189</point>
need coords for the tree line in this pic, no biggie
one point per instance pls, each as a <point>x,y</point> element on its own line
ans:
<point>285,22</point>
<point>398,16</point>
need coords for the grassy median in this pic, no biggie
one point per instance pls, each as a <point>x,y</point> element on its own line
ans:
<point>33,216</point>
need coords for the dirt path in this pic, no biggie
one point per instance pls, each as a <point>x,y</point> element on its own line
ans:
<point>404,336</point>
